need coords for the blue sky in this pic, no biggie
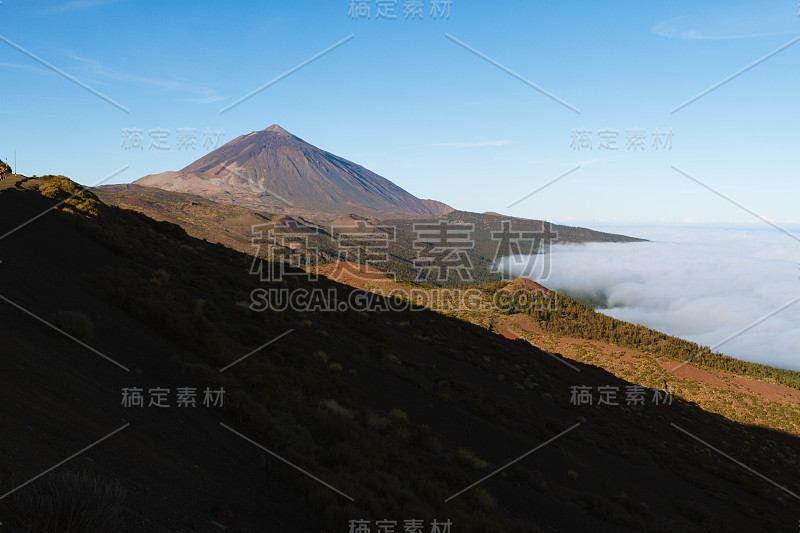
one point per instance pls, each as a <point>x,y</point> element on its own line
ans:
<point>405,101</point>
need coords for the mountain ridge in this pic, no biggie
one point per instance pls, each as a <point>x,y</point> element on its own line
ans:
<point>233,225</point>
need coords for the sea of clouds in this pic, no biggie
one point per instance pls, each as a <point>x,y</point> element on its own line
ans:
<point>704,284</point>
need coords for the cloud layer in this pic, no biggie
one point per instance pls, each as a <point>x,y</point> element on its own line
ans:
<point>704,285</point>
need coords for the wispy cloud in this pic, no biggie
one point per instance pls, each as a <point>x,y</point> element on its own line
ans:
<point>205,96</point>
<point>24,67</point>
<point>475,144</point>
<point>198,94</point>
<point>103,72</point>
<point>729,23</point>
<point>77,5</point>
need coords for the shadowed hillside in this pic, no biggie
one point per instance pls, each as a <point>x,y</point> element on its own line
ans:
<point>398,411</point>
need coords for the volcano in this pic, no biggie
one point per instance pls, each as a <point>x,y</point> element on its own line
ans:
<point>273,170</point>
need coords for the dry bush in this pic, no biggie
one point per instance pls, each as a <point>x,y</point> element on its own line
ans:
<point>398,415</point>
<point>484,499</point>
<point>377,421</point>
<point>403,434</point>
<point>69,502</point>
<point>75,323</point>
<point>465,456</point>
<point>160,277</point>
<point>333,407</point>
<point>393,359</point>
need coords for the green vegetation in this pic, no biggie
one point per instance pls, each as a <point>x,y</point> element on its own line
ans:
<point>575,319</point>
<point>232,225</point>
<point>77,199</point>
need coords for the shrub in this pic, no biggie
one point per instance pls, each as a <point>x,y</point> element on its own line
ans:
<point>161,277</point>
<point>484,499</point>
<point>432,444</point>
<point>377,421</point>
<point>75,196</point>
<point>398,415</point>
<point>403,434</point>
<point>69,502</point>
<point>332,406</point>
<point>467,457</point>
<point>75,323</point>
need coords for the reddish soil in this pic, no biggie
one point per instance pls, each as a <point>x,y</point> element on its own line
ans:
<point>352,273</point>
<point>524,283</point>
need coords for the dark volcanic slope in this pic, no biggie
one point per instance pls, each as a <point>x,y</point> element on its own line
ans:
<point>399,409</point>
<point>273,168</point>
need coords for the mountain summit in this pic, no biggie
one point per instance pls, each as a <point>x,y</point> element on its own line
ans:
<point>274,170</point>
<point>277,129</point>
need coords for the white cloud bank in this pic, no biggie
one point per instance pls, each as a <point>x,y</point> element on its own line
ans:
<point>703,285</point>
